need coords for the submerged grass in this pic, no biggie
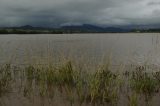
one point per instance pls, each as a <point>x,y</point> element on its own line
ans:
<point>101,87</point>
<point>5,79</point>
<point>145,84</point>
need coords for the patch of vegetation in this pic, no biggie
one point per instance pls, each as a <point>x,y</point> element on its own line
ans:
<point>101,87</point>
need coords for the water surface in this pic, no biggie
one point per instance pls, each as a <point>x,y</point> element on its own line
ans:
<point>129,47</point>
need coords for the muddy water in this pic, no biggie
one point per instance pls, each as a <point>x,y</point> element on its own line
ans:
<point>130,47</point>
<point>127,48</point>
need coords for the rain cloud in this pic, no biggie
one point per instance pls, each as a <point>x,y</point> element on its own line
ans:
<point>72,12</point>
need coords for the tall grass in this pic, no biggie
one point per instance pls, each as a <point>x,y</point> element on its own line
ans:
<point>144,83</point>
<point>5,79</point>
<point>75,86</point>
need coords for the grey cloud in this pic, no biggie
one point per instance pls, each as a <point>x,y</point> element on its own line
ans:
<point>154,3</point>
<point>65,12</point>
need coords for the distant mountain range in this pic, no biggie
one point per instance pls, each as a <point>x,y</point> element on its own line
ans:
<point>93,28</point>
<point>85,28</point>
<point>27,27</point>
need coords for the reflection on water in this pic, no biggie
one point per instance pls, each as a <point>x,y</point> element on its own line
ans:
<point>131,47</point>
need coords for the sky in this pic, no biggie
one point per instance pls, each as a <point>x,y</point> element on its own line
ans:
<point>76,12</point>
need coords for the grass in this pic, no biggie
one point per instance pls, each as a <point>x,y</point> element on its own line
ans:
<point>144,83</point>
<point>5,79</point>
<point>103,87</point>
<point>80,87</point>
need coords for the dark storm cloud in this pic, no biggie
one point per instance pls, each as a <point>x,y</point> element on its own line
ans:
<point>63,12</point>
<point>154,3</point>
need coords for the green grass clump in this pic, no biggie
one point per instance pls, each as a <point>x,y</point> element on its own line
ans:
<point>144,83</point>
<point>74,85</point>
<point>30,75</point>
<point>82,86</point>
<point>5,79</point>
<point>51,80</point>
<point>66,81</point>
<point>103,87</point>
<point>133,99</point>
<point>66,75</point>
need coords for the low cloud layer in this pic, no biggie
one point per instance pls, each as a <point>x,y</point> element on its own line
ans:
<point>65,12</point>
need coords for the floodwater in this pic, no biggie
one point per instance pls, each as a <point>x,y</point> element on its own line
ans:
<point>124,47</point>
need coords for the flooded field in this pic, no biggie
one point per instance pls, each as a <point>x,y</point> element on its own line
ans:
<point>127,47</point>
<point>80,70</point>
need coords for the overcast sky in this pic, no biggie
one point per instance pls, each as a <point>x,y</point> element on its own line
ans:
<point>66,12</point>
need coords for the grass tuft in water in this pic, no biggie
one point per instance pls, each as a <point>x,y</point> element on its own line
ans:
<point>144,83</point>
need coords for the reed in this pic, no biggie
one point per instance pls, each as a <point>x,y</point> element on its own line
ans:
<point>5,79</point>
<point>133,99</point>
<point>102,86</point>
<point>144,83</point>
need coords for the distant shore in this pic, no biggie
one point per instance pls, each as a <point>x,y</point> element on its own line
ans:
<point>72,29</point>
